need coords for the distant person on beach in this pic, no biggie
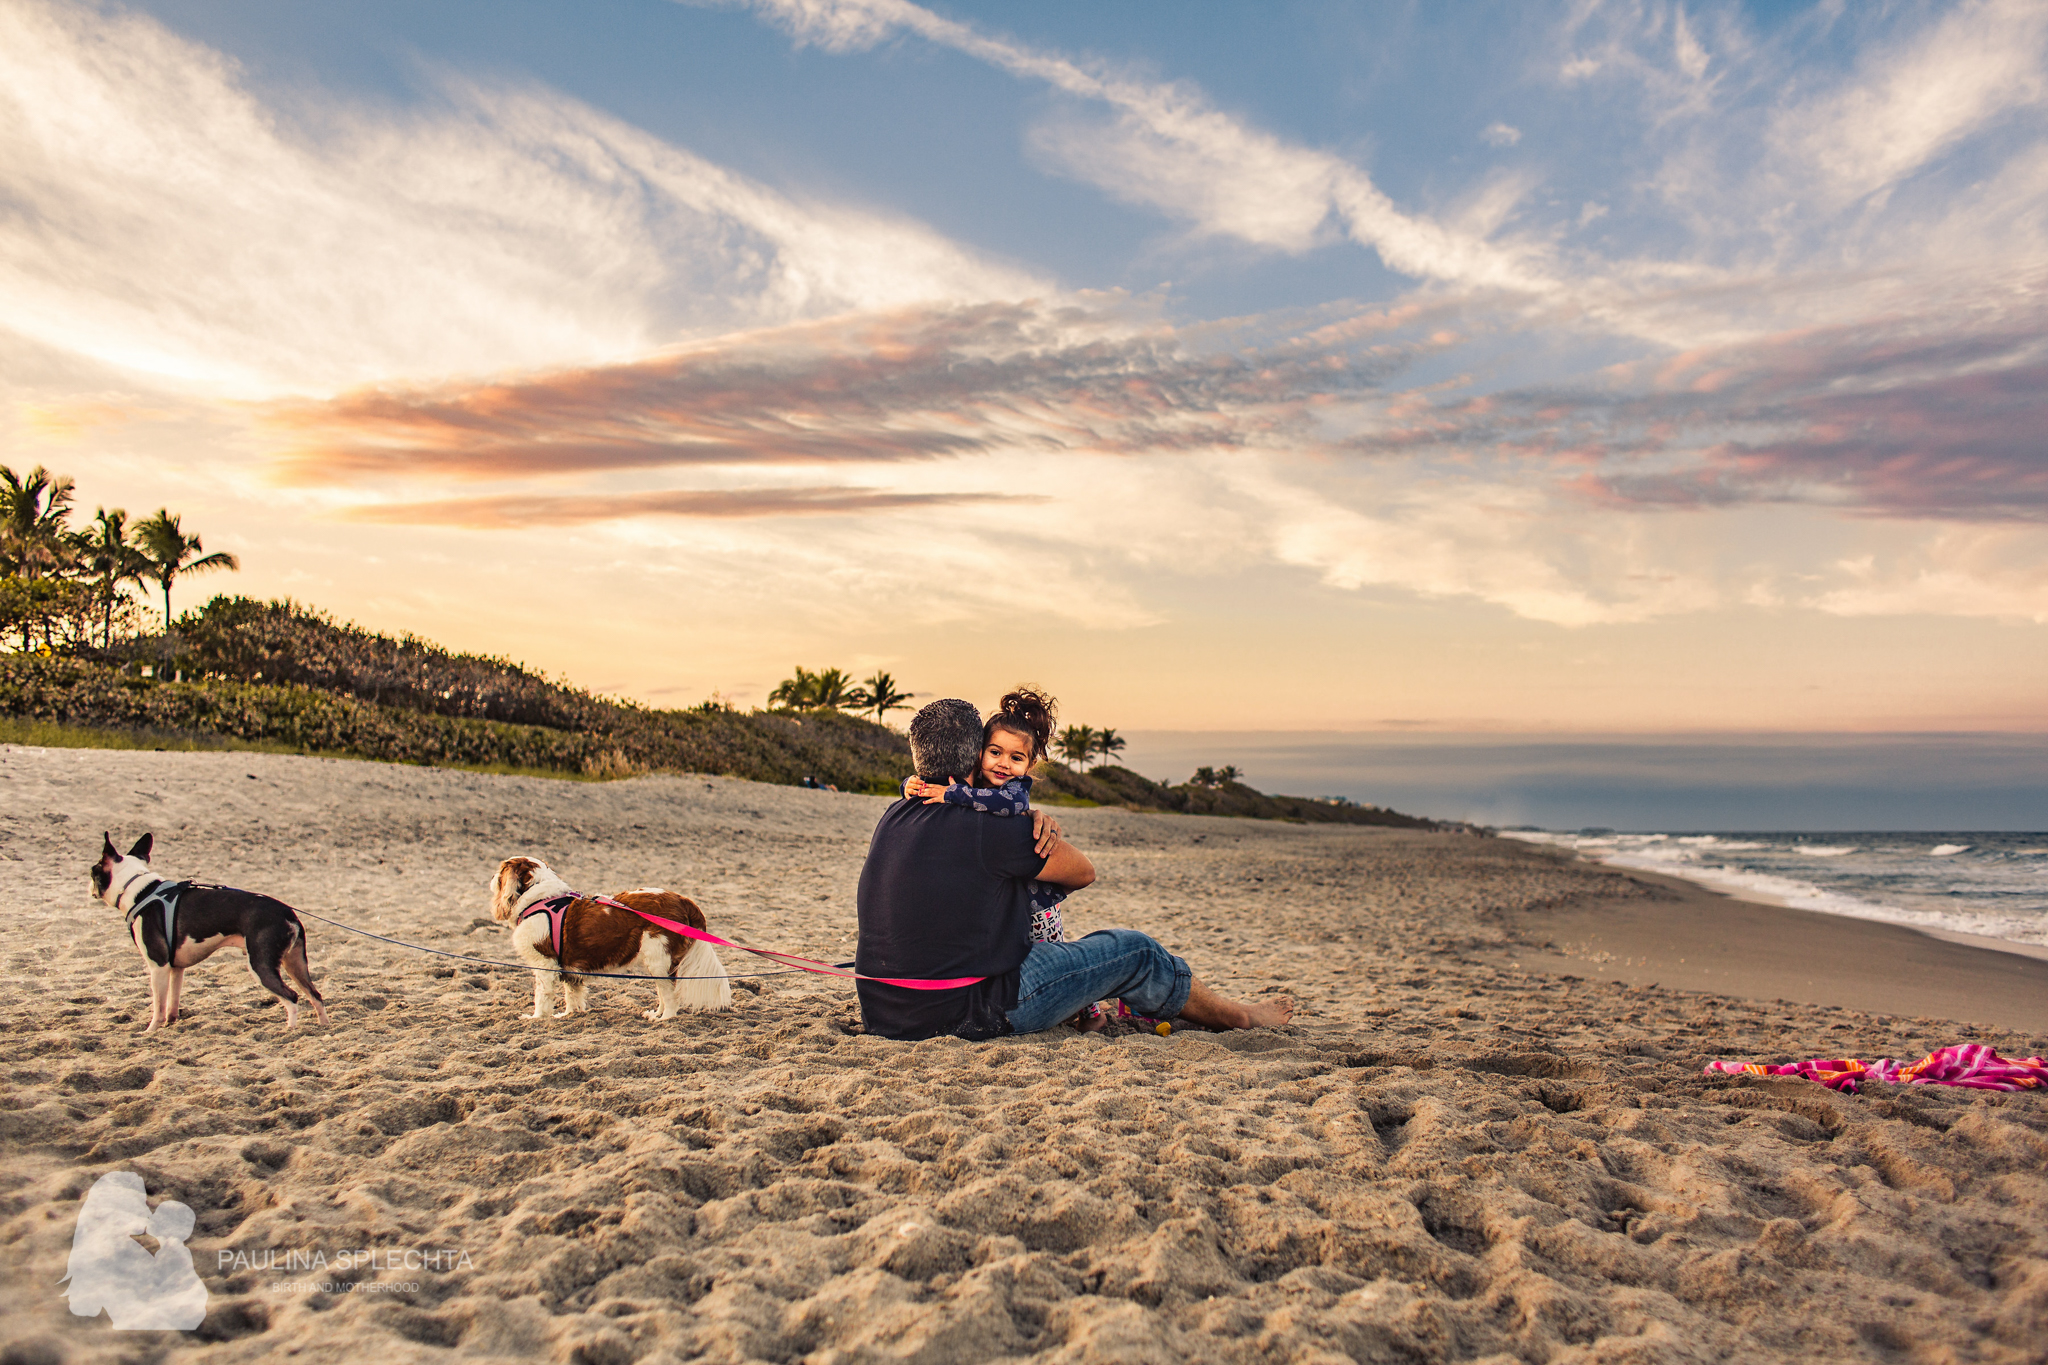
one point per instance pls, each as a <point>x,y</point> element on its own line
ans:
<point>1013,739</point>
<point>945,894</point>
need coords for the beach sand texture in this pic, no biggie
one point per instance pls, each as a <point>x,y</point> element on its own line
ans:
<point>1445,1158</point>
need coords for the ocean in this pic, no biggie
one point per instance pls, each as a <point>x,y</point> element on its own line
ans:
<point>1644,783</point>
<point>1991,884</point>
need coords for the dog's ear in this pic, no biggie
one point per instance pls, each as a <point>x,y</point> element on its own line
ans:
<point>108,853</point>
<point>142,847</point>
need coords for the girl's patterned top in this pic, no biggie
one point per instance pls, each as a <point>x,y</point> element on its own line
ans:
<point>1012,798</point>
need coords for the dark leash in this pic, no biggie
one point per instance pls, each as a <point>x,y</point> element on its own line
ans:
<point>524,967</point>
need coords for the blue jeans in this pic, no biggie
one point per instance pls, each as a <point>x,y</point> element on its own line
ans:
<point>1058,979</point>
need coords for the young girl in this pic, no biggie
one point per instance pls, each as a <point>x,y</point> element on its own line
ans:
<point>1012,742</point>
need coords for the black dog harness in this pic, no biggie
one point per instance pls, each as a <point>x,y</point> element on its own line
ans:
<point>166,894</point>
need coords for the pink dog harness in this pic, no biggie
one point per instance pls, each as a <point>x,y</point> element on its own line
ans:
<point>555,907</point>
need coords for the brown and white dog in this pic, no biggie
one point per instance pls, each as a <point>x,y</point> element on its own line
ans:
<point>177,925</point>
<point>600,938</point>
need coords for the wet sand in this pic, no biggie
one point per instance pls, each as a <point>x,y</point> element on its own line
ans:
<point>1445,1158</point>
<point>1695,939</point>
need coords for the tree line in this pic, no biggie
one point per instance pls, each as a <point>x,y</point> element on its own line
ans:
<point>68,586</point>
<point>834,689</point>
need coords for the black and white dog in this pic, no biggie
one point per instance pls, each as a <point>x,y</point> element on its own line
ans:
<point>180,924</point>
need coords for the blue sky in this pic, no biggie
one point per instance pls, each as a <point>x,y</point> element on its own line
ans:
<point>1605,367</point>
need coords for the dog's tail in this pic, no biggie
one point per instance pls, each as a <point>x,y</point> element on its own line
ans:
<point>712,990</point>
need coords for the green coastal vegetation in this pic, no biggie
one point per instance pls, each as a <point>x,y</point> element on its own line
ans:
<point>82,664</point>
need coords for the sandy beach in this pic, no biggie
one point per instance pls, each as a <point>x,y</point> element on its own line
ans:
<point>1469,1145</point>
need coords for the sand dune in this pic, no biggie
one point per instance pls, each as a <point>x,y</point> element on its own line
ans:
<point>1444,1159</point>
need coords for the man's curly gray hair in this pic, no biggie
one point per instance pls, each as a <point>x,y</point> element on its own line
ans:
<point>945,740</point>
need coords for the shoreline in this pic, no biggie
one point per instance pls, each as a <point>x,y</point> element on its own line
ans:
<point>1696,937</point>
<point>1753,897</point>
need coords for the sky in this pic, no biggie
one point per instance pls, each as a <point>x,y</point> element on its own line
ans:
<point>1640,369</point>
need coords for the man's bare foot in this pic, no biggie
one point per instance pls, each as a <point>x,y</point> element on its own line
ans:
<point>1212,1011</point>
<point>1271,1013</point>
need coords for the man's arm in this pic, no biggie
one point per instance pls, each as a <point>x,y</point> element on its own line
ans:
<point>1067,866</point>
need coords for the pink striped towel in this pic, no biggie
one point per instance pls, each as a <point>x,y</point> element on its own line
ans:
<point>1970,1064</point>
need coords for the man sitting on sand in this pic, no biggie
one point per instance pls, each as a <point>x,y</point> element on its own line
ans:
<point>945,894</point>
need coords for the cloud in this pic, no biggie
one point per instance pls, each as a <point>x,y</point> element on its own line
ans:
<point>159,220</point>
<point>522,512</point>
<point>1661,47</point>
<point>916,384</point>
<point>1500,135</point>
<point>1935,416</point>
<point>1920,96</point>
<point>1164,145</point>
<point>1497,539</point>
<point>1960,571</point>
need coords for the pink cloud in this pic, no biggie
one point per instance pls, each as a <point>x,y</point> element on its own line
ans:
<point>917,384</point>
<point>1935,417</point>
<point>1898,417</point>
<point>518,512</point>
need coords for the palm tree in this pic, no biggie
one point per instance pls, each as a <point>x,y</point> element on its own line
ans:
<point>796,691</point>
<point>833,688</point>
<point>827,688</point>
<point>170,552</point>
<point>1227,773</point>
<point>33,538</point>
<point>881,695</point>
<point>114,561</point>
<point>1076,742</point>
<point>1109,744</point>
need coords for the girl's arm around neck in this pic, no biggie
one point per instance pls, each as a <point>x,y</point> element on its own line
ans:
<point>1012,798</point>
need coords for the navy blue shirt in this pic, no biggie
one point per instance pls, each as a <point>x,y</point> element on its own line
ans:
<point>945,892</point>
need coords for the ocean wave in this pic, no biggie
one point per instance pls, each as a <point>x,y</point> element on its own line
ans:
<point>1891,882</point>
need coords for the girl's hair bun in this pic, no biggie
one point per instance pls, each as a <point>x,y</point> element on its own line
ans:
<point>1028,712</point>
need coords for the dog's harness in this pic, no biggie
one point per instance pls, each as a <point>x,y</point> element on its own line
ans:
<point>556,907</point>
<point>166,894</point>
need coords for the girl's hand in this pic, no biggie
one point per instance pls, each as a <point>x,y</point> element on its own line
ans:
<point>931,793</point>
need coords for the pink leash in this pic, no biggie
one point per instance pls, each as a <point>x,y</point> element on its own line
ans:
<point>556,905</point>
